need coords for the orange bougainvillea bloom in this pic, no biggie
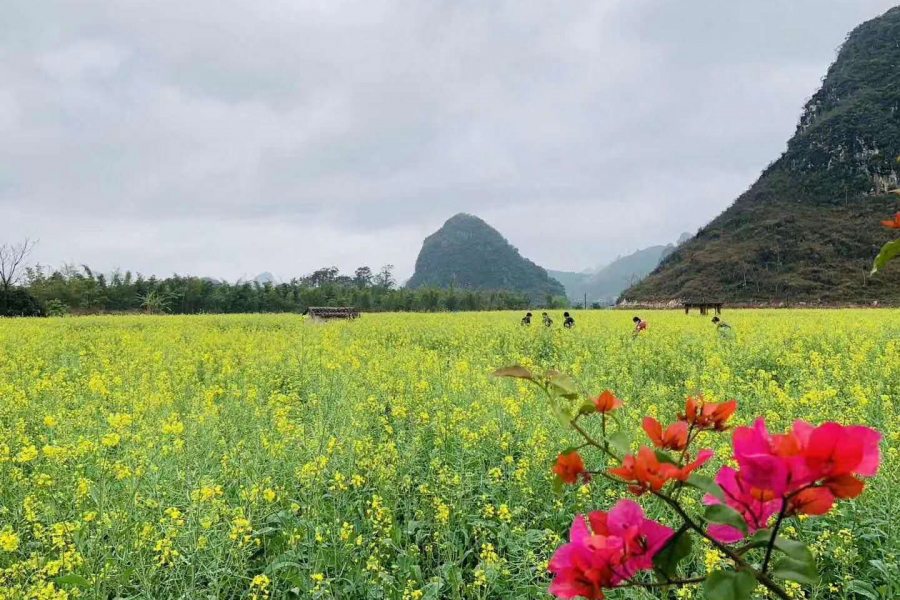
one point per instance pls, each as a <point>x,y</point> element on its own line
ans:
<point>684,473</point>
<point>568,467</point>
<point>701,414</point>
<point>675,437</point>
<point>644,470</point>
<point>895,224</point>
<point>606,402</point>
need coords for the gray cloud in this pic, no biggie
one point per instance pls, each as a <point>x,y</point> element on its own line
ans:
<point>229,138</point>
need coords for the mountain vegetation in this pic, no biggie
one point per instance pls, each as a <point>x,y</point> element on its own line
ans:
<point>467,253</point>
<point>808,228</point>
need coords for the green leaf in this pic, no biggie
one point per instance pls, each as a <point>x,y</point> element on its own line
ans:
<point>664,457</point>
<point>563,383</point>
<point>72,579</point>
<point>795,570</point>
<point>561,414</point>
<point>888,252</point>
<point>620,441</point>
<point>725,515</point>
<point>676,549</point>
<point>587,408</point>
<point>863,588</point>
<point>558,484</point>
<point>796,550</point>
<point>729,585</point>
<point>706,484</point>
<point>515,371</point>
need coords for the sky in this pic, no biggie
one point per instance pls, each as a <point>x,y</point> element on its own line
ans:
<point>228,138</point>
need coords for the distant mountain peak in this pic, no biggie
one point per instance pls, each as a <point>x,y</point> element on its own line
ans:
<point>468,253</point>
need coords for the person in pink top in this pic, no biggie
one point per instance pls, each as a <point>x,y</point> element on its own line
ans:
<point>639,326</point>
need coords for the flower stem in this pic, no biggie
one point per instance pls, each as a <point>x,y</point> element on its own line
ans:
<point>765,565</point>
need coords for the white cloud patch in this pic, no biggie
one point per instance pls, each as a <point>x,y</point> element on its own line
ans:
<point>230,138</point>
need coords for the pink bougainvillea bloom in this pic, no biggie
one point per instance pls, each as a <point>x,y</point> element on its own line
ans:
<point>642,537</point>
<point>583,567</point>
<point>675,437</point>
<point>832,450</point>
<point>830,455</point>
<point>617,545</point>
<point>768,462</point>
<point>755,507</point>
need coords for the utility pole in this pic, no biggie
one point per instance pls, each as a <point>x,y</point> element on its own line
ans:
<point>585,301</point>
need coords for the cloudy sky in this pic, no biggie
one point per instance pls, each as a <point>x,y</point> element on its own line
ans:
<point>230,137</point>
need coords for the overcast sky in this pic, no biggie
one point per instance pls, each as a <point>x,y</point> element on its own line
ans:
<point>227,138</point>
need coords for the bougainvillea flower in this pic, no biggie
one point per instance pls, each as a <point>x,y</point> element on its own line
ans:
<point>675,437</point>
<point>829,455</point>
<point>832,450</point>
<point>756,508</point>
<point>644,470</point>
<point>583,567</point>
<point>895,224</point>
<point>764,461</point>
<point>568,467</point>
<point>617,545</point>
<point>682,473</point>
<point>606,402</point>
<point>811,501</point>
<point>701,414</point>
<point>845,486</point>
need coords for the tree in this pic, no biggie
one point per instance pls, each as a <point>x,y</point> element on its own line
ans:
<point>12,262</point>
<point>363,277</point>
<point>385,277</point>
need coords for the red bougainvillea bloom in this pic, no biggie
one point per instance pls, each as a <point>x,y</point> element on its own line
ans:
<point>826,459</point>
<point>895,224</point>
<point>811,501</point>
<point>617,545</point>
<point>568,467</point>
<point>702,415</point>
<point>682,473</point>
<point>675,437</point>
<point>755,506</point>
<point>606,402</point>
<point>644,470</point>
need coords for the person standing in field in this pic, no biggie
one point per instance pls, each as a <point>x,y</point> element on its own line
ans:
<point>526,320</point>
<point>723,328</point>
<point>568,321</point>
<point>639,326</point>
<point>548,322</point>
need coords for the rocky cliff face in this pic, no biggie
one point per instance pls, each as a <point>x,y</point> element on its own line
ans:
<point>808,229</point>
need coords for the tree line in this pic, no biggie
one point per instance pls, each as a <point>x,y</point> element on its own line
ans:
<point>80,290</point>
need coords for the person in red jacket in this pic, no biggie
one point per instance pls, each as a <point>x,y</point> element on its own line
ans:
<point>639,326</point>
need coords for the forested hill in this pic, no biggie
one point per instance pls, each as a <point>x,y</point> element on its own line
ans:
<point>808,228</point>
<point>468,253</point>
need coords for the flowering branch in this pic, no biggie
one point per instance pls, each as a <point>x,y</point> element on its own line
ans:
<point>801,472</point>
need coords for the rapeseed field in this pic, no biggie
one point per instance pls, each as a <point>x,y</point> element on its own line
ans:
<point>266,457</point>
